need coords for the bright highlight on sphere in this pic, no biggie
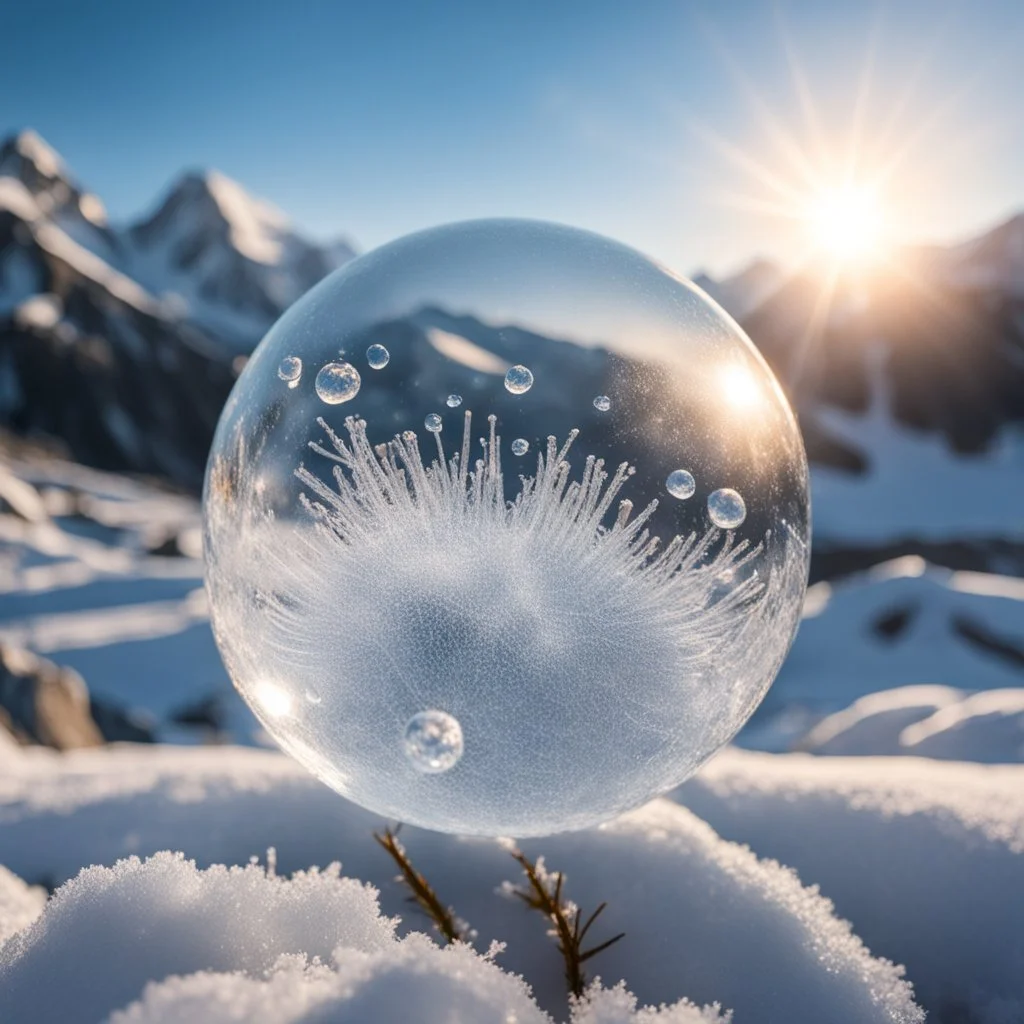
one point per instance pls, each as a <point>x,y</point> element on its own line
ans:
<point>536,572</point>
<point>846,223</point>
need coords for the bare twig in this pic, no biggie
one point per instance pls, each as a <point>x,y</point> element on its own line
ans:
<point>544,894</point>
<point>423,893</point>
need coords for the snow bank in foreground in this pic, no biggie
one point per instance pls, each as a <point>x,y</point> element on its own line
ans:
<point>704,918</point>
<point>925,858</point>
<point>20,904</point>
<point>412,981</point>
<point>927,721</point>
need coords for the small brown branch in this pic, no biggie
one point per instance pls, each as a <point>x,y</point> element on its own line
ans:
<point>569,929</point>
<point>423,893</point>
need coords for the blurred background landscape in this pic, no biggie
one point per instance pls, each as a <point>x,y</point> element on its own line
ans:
<point>848,187</point>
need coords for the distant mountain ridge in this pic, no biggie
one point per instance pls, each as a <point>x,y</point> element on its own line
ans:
<point>122,341</point>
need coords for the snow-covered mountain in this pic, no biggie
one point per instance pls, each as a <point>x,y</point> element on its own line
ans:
<point>120,342</point>
<point>30,160</point>
<point>232,261</point>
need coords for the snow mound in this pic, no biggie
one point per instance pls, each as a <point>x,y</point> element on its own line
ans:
<point>412,980</point>
<point>927,721</point>
<point>703,918</point>
<point>903,622</point>
<point>163,917</point>
<point>925,858</point>
<point>20,904</point>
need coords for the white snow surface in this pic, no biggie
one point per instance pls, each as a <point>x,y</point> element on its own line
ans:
<point>926,721</point>
<point>20,904</point>
<point>842,653</point>
<point>916,486</point>
<point>705,919</point>
<point>925,858</point>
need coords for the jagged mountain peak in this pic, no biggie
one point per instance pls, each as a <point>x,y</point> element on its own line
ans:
<point>257,228</point>
<point>27,157</point>
<point>27,149</point>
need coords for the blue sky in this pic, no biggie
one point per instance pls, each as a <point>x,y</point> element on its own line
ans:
<point>664,124</point>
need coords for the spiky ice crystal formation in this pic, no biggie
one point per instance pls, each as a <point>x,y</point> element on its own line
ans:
<point>388,488</point>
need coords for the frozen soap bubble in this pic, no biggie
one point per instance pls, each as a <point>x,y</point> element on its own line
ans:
<point>726,508</point>
<point>433,741</point>
<point>519,379</point>
<point>290,370</point>
<point>337,382</point>
<point>378,357</point>
<point>680,484</point>
<point>497,644</point>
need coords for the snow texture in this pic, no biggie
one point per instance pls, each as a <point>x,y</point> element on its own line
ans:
<point>925,858</point>
<point>704,918</point>
<point>20,904</point>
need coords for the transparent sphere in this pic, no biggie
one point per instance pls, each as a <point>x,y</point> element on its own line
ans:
<point>530,570</point>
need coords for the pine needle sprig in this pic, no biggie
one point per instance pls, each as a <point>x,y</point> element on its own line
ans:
<point>422,892</point>
<point>543,893</point>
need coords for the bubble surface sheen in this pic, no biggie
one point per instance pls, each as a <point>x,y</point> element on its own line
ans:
<point>469,591</point>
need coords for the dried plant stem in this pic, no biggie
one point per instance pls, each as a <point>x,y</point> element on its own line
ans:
<point>544,894</point>
<point>423,893</point>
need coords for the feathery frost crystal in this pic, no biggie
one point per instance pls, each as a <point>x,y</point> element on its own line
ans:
<point>477,648</point>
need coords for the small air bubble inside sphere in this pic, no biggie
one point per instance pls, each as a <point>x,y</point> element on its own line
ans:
<point>378,357</point>
<point>680,484</point>
<point>519,380</point>
<point>592,636</point>
<point>290,369</point>
<point>433,741</point>
<point>727,508</point>
<point>337,383</point>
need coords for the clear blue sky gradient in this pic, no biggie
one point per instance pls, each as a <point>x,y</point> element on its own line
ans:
<point>374,119</point>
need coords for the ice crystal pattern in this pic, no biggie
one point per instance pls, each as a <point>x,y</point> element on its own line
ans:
<point>589,666</point>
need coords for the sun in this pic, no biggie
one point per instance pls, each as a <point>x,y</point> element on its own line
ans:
<point>846,223</point>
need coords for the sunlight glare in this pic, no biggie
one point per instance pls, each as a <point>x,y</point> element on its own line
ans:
<point>273,699</point>
<point>739,387</point>
<point>846,223</point>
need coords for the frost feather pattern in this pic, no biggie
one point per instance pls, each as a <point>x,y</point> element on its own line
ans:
<point>445,498</point>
